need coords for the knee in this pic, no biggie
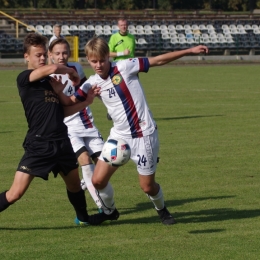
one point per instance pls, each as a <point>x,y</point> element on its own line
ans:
<point>150,189</point>
<point>13,196</point>
<point>98,183</point>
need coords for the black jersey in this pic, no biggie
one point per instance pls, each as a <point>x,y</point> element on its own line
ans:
<point>43,111</point>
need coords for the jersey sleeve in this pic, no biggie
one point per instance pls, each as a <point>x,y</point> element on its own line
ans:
<point>81,93</point>
<point>23,78</point>
<point>136,65</point>
<point>111,43</point>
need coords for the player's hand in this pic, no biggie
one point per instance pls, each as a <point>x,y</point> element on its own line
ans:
<point>74,77</point>
<point>199,49</point>
<point>92,93</point>
<point>56,83</point>
<point>126,52</point>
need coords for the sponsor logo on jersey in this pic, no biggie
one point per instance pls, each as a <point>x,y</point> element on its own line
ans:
<point>117,79</point>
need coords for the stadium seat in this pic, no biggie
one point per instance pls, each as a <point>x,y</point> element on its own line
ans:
<point>164,31</point>
<point>148,27</point>
<point>98,27</point>
<point>195,27</point>
<point>82,27</point>
<point>163,27</point>
<point>47,32</point>
<point>140,32</point>
<point>190,41</point>
<point>166,36</point>
<point>73,28</point>
<point>48,27</point>
<point>234,31</point>
<point>107,27</point>
<point>187,27</point>
<point>179,27</point>
<point>181,36</point>
<point>130,27</point>
<point>139,27</point>
<point>30,28</point>
<point>210,27</point>
<point>188,31</point>
<point>248,27</point>
<point>148,31</point>
<point>98,32</point>
<point>155,27</point>
<point>202,27</point>
<point>90,27</point>
<point>171,27</point>
<point>172,31</point>
<point>132,31</point>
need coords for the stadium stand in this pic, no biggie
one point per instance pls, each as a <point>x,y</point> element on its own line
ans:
<point>154,33</point>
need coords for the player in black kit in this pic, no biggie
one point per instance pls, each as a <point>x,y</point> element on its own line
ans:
<point>47,146</point>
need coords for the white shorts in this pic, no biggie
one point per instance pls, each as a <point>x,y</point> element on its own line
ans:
<point>144,152</point>
<point>92,144</point>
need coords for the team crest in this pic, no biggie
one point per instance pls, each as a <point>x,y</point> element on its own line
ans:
<point>117,79</point>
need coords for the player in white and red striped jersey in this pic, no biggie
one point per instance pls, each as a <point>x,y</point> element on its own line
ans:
<point>122,94</point>
<point>84,136</point>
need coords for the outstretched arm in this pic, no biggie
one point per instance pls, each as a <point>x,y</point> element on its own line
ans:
<point>47,70</point>
<point>171,56</point>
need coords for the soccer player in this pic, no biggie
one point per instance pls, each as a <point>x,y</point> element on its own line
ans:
<point>123,96</point>
<point>47,146</point>
<point>85,138</point>
<point>122,43</point>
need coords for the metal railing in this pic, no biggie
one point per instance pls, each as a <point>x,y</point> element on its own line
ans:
<point>17,22</point>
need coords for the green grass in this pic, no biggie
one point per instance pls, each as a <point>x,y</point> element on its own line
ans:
<point>208,119</point>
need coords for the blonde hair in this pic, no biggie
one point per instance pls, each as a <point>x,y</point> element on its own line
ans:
<point>97,47</point>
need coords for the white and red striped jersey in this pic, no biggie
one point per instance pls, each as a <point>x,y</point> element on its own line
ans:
<point>123,96</point>
<point>81,123</point>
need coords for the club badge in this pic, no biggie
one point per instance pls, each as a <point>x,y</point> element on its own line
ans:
<point>117,79</point>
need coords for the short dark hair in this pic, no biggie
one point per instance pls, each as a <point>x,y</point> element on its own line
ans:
<point>34,39</point>
<point>58,41</point>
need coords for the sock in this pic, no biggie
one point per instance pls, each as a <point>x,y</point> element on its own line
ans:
<point>87,172</point>
<point>157,200</point>
<point>79,203</point>
<point>4,204</point>
<point>106,197</point>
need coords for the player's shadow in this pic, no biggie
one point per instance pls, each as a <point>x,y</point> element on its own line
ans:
<point>184,117</point>
<point>6,132</point>
<point>200,216</point>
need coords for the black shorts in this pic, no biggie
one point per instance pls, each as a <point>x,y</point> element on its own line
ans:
<point>41,157</point>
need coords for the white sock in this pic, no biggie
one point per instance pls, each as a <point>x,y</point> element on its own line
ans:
<point>157,200</point>
<point>87,172</point>
<point>106,197</point>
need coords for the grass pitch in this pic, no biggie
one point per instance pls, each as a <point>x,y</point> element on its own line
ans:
<point>208,119</point>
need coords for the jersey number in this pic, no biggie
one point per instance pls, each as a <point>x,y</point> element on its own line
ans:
<point>111,92</point>
<point>142,160</point>
<point>70,90</point>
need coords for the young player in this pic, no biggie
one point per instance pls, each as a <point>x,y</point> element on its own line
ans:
<point>85,138</point>
<point>47,146</point>
<point>123,96</point>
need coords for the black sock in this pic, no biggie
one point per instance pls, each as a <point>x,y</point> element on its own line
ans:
<point>79,203</point>
<point>4,204</point>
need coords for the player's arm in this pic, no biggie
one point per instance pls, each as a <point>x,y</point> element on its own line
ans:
<point>171,56</point>
<point>119,53</point>
<point>45,71</point>
<point>80,103</point>
<point>76,107</point>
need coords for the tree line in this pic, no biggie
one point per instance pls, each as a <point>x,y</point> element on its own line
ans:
<point>224,5</point>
